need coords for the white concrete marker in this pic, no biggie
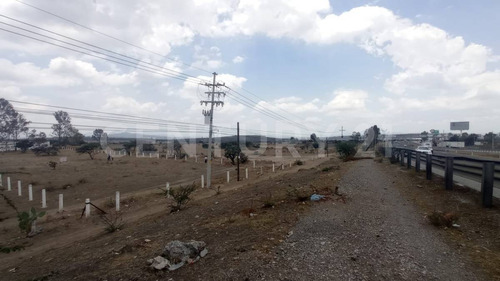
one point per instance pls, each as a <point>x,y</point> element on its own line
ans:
<point>254,164</point>
<point>117,201</point>
<point>196,158</point>
<point>175,157</point>
<point>282,166</point>
<point>9,187</point>
<point>19,192</point>
<point>290,164</point>
<point>168,190</point>
<point>44,199</point>
<point>227,176</point>
<point>61,202</point>
<point>143,154</point>
<point>273,167</point>
<point>150,155</point>
<point>30,192</point>
<point>202,181</point>
<point>158,155</point>
<point>87,207</point>
<point>1,180</point>
<point>246,173</point>
<point>185,158</point>
<point>221,160</point>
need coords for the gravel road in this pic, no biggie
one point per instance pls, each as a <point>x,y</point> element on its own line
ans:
<point>375,235</point>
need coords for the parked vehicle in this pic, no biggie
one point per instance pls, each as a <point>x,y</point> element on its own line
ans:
<point>424,149</point>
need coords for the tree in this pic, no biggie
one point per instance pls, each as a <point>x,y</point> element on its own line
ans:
<point>356,136</point>
<point>89,148</point>
<point>63,128</point>
<point>11,123</point>
<point>424,135</point>
<point>129,145</point>
<point>97,135</point>
<point>489,137</point>
<point>470,140</point>
<point>231,151</point>
<point>24,145</point>
<point>454,138</point>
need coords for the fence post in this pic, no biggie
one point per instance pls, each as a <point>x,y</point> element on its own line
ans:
<point>428,166</point>
<point>254,164</point>
<point>273,167</point>
<point>402,155</point>
<point>1,180</point>
<point>19,192</point>
<point>448,173</point>
<point>61,202</point>
<point>30,192</point>
<point>168,190</point>
<point>246,173</point>
<point>417,161</point>
<point>202,181</point>
<point>261,170</point>
<point>117,201</point>
<point>87,207</point>
<point>44,199</point>
<point>9,187</point>
<point>227,176</point>
<point>487,184</point>
<point>408,159</point>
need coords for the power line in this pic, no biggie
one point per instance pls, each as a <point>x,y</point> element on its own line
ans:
<point>106,35</point>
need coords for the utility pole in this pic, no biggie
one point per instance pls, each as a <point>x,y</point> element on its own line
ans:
<point>211,100</point>
<point>342,132</point>
<point>238,157</point>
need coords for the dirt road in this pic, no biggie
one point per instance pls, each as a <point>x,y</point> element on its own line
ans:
<point>377,235</point>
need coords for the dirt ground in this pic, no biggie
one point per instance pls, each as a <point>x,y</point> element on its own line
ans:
<point>243,224</point>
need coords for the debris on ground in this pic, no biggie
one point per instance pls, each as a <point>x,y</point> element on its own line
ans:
<point>317,197</point>
<point>177,253</point>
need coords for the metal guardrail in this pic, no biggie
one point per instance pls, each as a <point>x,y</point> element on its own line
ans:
<point>484,171</point>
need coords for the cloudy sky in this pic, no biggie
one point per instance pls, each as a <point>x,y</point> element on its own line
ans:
<point>294,67</point>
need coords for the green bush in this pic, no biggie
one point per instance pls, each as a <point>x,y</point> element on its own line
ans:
<point>346,149</point>
<point>27,221</point>
<point>181,195</point>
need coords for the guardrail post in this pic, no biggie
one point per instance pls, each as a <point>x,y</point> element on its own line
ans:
<point>487,184</point>
<point>408,159</point>
<point>402,156</point>
<point>448,173</point>
<point>428,167</point>
<point>417,161</point>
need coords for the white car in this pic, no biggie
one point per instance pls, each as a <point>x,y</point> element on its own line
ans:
<point>424,149</point>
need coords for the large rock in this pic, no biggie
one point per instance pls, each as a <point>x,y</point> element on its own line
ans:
<point>177,253</point>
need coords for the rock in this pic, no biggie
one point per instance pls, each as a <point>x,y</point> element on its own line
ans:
<point>203,253</point>
<point>147,240</point>
<point>159,263</point>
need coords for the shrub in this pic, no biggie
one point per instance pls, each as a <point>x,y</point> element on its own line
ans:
<point>442,219</point>
<point>48,150</point>
<point>89,148</point>
<point>299,162</point>
<point>27,221</point>
<point>299,194</point>
<point>346,149</point>
<point>243,158</point>
<point>181,195</point>
<point>53,164</point>
<point>113,221</point>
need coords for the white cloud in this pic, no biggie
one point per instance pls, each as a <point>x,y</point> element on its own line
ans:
<point>352,100</point>
<point>238,59</point>
<point>131,106</point>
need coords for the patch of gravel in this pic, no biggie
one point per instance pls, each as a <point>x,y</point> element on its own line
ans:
<point>375,235</point>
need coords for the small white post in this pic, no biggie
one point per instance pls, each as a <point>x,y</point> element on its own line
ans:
<point>227,176</point>
<point>19,192</point>
<point>185,158</point>
<point>168,190</point>
<point>87,207</point>
<point>202,181</point>
<point>9,187</point>
<point>150,155</point>
<point>246,173</point>
<point>196,158</point>
<point>44,199</point>
<point>158,155</point>
<point>117,201</point>
<point>30,192</point>
<point>61,204</point>
<point>282,166</point>
<point>273,167</point>
<point>254,164</point>
<point>1,180</point>
<point>290,164</point>
<point>143,154</point>
<point>175,157</point>
<point>221,160</point>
